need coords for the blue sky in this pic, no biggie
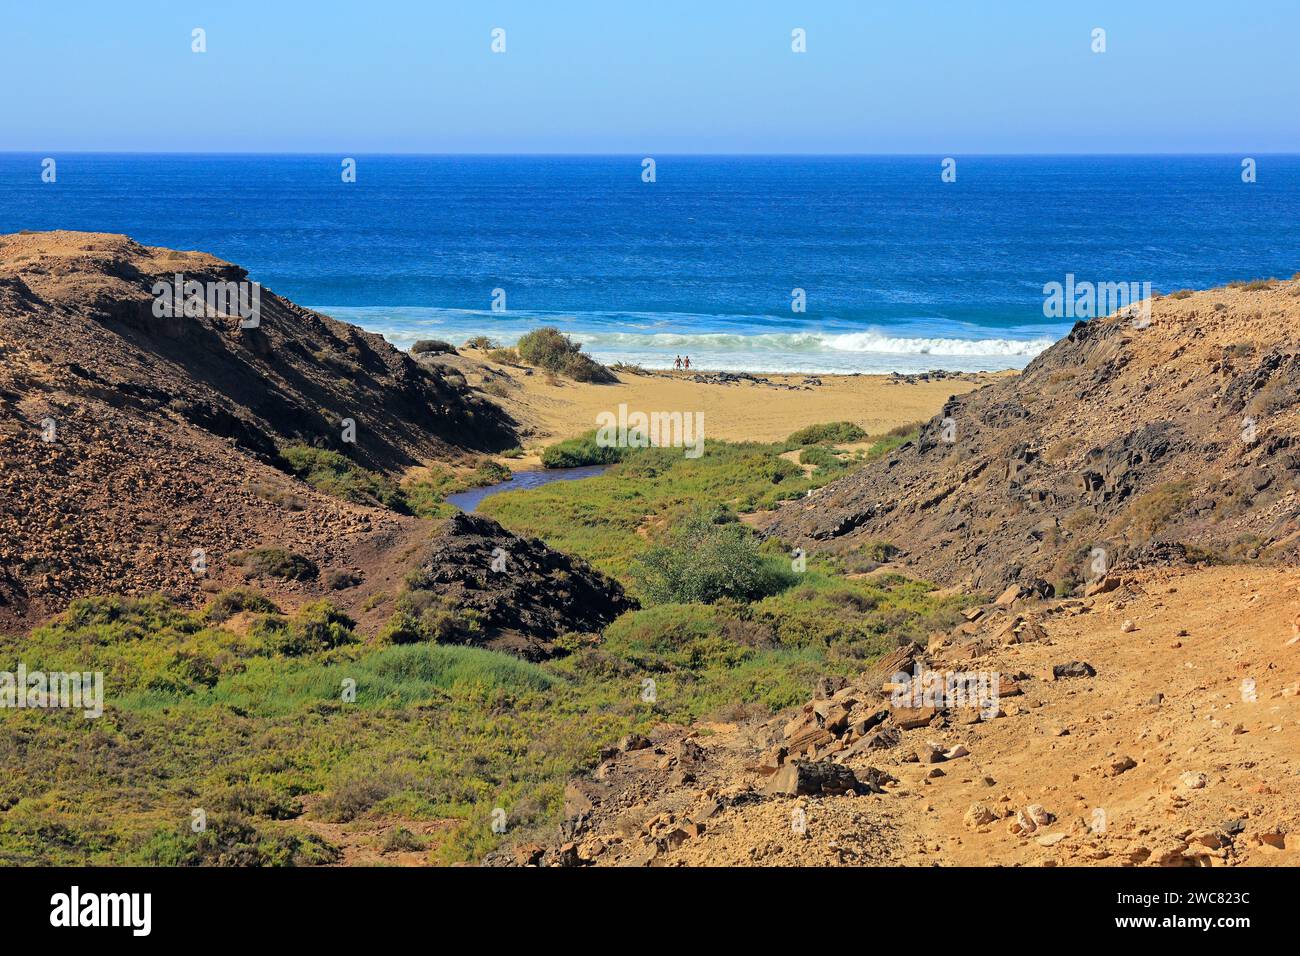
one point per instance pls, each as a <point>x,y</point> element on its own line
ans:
<point>661,76</point>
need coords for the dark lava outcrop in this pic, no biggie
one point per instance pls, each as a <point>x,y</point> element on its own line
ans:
<point>524,594</point>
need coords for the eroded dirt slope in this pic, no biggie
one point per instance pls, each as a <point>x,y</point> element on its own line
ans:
<point>1182,749</point>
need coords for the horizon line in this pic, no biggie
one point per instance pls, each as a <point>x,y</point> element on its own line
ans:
<point>620,155</point>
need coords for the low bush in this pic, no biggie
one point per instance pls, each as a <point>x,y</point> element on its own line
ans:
<point>234,600</point>
<point>824,459</point>
<point>828,433</point>
<point>702,562</point>
<point>550,349</point>
<point>576,452</point>
<point>317,627</point>
<point>275,563</point>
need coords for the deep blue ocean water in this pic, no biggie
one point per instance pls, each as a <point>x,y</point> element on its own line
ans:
<point>901,270</point>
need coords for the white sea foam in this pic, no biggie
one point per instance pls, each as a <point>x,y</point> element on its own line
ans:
<point>804,342</point>
<point>639,338</point>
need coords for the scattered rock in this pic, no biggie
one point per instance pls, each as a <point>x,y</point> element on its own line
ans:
<point>1073,669</point>
<point>911,718</point>
<point>529,854</point>
<point>980,814</point>
<point>1119,765</point>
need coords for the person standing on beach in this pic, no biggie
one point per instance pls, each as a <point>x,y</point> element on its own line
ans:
<point>678,364</point>
<point>688,363</point>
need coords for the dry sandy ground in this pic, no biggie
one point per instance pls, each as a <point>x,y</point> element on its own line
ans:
<point>1198,635</point>
<point>550,409</point>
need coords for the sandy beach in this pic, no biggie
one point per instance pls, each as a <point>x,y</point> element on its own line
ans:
<point>747,406</point>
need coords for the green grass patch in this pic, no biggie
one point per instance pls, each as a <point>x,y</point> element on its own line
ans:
<point>651,489</point>
<point>828,433</point>
<point>335,474</point>
<point>583,450</point>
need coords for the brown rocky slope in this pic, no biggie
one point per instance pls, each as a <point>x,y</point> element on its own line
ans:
<point>129,441</point>
<point>1117,438</point>
<point>1171,742</point>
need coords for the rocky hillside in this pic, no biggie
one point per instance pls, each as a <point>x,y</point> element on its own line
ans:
<point>131,441</point>
<point>1118,441</point>
<point>1152,725</point>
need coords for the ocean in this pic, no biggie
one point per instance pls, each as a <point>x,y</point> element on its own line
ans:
<point>899,270</point>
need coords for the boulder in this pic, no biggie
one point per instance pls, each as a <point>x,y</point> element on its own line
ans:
<point>979,815</point>
<point>805,778</point>
<point>1073,669</point>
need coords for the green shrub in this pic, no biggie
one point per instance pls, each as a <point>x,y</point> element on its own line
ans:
<point>355,796</point>
<point>275,563</point>
<point>828,433</point>
<point>481,342</point>
<point>879,551</point>
<point>825,459</point>
<point>341,580</point>
<point>489,473</point>
<point>334,474</point>
<point>503,356</point>
<point>233,840</point>
<point>551,349</point>
<point>575,452</point>
<point>234,600</point>
<point>316,627</point>
<point>422,615</point>
<point>400,839</point>
<point>703,562</point>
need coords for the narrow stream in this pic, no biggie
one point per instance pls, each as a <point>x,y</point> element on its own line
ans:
<point>468,501</point>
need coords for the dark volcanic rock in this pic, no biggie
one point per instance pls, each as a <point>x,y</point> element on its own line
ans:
<point>525,593</point>
<point>1073,669</point>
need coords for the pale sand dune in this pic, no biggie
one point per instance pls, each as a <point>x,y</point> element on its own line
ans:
<point>551,410</point>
